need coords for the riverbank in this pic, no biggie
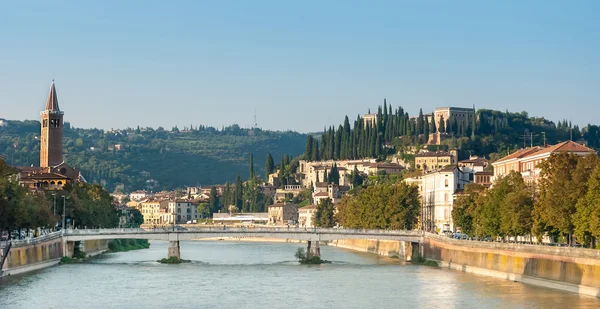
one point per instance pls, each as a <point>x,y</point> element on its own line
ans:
<point>568,269</point>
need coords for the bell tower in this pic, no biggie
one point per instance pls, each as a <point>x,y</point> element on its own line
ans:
<point>51,141</point>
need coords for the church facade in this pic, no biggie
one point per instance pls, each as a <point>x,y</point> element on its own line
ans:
<point>53,173</point>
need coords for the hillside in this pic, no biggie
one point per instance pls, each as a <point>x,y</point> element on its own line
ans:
<point>175,158</point>
<point>490,133</point>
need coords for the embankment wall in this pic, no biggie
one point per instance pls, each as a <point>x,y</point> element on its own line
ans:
<point>570,269</point>
<point>380,247</point>
<point>44,254</point>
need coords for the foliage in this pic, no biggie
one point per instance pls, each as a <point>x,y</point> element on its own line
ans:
<point>199,155</point>
<point>324,216</point>
<point>89,205</point>
<point>173,260</point>
<point>20,208</point>
<point>587,215</point>
<point>381,206</point>
<point>563,183</point>
<point>304,258</point>
<point>504,210</point>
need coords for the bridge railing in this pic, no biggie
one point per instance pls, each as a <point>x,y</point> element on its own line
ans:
<point>36,240</point>
<point>243,229</point>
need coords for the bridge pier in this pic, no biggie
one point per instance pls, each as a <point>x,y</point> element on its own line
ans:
<point>174,249</point>
<point>313,249</point>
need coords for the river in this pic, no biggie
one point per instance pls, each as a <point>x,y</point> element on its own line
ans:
<point>265,275</point>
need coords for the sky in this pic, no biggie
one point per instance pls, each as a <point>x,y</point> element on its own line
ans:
<point>301,65</point>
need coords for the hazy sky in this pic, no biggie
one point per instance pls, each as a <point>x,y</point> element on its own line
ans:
<point>301,64</point>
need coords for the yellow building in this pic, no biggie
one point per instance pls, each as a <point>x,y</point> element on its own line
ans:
<point>428,161</point>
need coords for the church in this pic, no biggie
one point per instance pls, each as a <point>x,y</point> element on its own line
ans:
<point>53,173</point>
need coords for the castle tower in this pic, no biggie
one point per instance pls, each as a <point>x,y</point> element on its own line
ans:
<point>51,147</point>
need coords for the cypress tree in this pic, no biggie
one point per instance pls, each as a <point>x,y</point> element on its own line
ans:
<point>454,122</point>
<point>315,155</point>
<point>473,125</point>
<point>269,165</point>
<point>442,127</point>
<point>426,129</point>
<point>309,147</point>
<point>419,129</point>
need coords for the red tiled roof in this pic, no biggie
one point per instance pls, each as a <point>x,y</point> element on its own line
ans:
<point>322,194</point>
<point>520,154</point>
<point>568,146</point>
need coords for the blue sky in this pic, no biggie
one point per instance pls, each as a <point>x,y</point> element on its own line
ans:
<point>301,64</point>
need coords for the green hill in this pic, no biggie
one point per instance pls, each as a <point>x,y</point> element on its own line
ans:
<point>175,158</point>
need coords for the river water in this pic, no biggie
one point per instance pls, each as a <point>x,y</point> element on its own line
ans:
<point>265,275</point>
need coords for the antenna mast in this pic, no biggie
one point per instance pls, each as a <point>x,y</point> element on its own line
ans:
<point>255,124</point>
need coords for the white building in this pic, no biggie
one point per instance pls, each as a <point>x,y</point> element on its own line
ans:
<point>438,190</point>
<point>138,195</point>
<point>306,216</point>
<point>184,210</point>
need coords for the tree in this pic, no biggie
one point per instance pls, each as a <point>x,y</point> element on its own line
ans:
<point>563,181</point>
<point>442,127</point>
<point>204,210</point>
<point>466,208</point>
<point>213,202</point>
<point>381,206</point>
<point>324,216</point>
<point>587,214</point>
<point>334,175</point>
<point>309,147</point>
<point>357,179</point>
<point>269,166</point>
<point>516,205</point>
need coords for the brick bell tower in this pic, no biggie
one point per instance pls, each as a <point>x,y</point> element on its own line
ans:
<point>51,147</point>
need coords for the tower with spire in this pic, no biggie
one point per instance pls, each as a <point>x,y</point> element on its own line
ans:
<point>51,141</point>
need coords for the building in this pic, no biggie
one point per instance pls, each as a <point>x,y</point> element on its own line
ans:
<point>438,190</point>
<point>282,214</point>
<point>384,168</point>
<point>526,161</point>
<point>288,190</point>
<point>460,114</point>
<point>484,178</point>
<point>51,139</point>
<point>306,216</point>
<point>184,210</point>
<point>433,160</point>
<point>474,162</point>
<point>151,212</point>
<point>138,195</point>
<point>369,120</point>
<point>53,173</point>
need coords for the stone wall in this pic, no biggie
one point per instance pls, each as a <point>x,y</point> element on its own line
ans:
<point>576,270</point>
<point>380,247</point>
<point>30,257</point>
<point>94,247</point>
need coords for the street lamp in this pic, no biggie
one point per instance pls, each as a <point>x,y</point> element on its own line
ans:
<point>64,211</point>
<point>54,195</point>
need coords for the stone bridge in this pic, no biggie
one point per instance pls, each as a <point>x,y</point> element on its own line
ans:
<point>176,234</point>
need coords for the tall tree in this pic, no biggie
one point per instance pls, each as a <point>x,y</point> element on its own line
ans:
<point>442,127</point>
<point>324,216</point>
<point>269,166</point>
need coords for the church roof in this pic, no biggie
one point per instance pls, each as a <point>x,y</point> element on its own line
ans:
<point>52,102</point>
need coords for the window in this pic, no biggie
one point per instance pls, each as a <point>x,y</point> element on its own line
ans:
<point>446,183</point>
<point>445,197</point>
